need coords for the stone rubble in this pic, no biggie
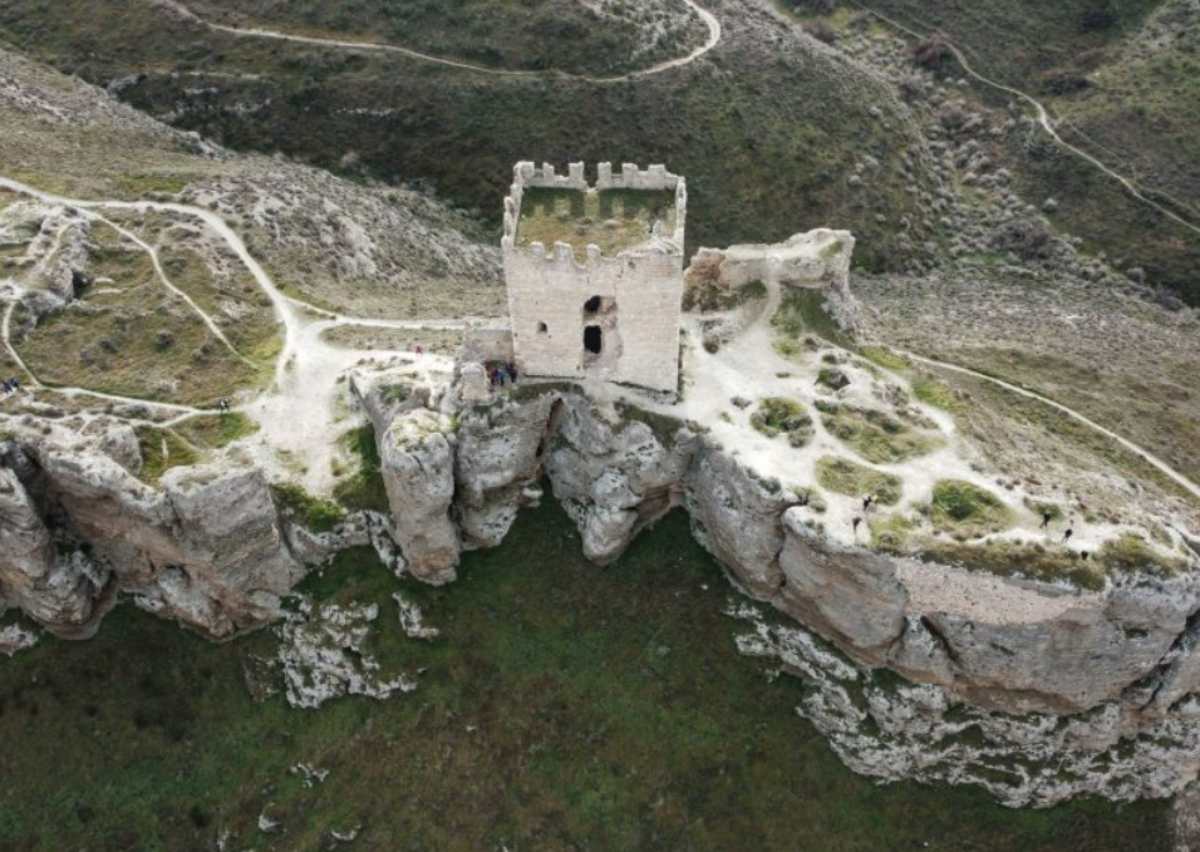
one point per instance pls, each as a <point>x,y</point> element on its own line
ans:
<point>321,656</point>
<point>14,638</point>
<point>893,731</point>
<point>412,620</point>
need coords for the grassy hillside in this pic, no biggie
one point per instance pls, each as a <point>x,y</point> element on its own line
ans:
<point>766,127</point>
<point>604,37</point>
<point>563,707</point>
<point>336,243</point>
<point>1122,80</point>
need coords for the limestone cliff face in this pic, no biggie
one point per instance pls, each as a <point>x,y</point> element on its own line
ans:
<point>497,466</point>
<point>418,471</point>
<point>1009,644</point>
<point>853,598</point>
<point>205,549</point>
<point>1120,667</point>
<point>613,478</point>
<point>32,576</point>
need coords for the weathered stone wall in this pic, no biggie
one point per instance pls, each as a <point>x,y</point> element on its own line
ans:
<point>817,259</point>
<point>641,289</point>
<point>547,294</point>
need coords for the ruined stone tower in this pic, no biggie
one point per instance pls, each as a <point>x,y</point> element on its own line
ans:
<point>595,273</point>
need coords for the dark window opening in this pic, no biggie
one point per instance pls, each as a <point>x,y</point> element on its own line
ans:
<point>592,305</point>
<point>593,339</point>
<point>542,328</point>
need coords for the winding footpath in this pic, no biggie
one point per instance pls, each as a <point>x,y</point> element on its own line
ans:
<point>1043,117</point>
<point>166,282</point>
<point>710,21</point>
<point>1142,453</point>
<point>296,411</point>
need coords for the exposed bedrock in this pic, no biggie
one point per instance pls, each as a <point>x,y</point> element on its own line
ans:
<point>1009,644</point>
<point>1110,678</point>
<point>418,472</point>
<point>180,549</point>
<point>32,575</point>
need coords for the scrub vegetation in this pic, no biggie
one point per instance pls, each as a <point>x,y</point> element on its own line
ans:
<point>599,37</point>
<point>777,416</point>
<point>765,138</point>
<point>967,511</point>
<point>614,219</point>
<point>878,436</point>
<point>561,707</point>
<point>846,477</point>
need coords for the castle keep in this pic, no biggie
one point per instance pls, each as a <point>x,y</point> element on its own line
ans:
<point>595,273</point>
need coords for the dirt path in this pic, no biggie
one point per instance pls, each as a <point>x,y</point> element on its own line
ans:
<point>298,413</point>
<point>1043,117</point>
<point>710,21</point>
<point>299,416</point>
<point>1144,454</point>
<point>12,350</point>
<point>166,282</point>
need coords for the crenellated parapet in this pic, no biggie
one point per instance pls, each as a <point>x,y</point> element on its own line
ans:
<point>607,304</point>
<point>655,178</point>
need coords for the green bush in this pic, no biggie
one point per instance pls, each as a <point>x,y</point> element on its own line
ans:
<point>846,477</point>
<point>311,512</point>
<point>778,416</point>
<point>877,436</point>
<point>968,511</point>
<point>363,489</point>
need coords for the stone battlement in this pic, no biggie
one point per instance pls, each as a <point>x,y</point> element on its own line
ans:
<point>613,316</point>
<point>655,178</point>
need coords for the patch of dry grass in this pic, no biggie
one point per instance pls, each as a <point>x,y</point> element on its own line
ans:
<point>442,341</point>
<point>133,338</point>
<point>614,219</point>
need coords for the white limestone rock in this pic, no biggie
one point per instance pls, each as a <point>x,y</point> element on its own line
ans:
<point>498,457</point>
<point>418,472</point>
<point>53,590</point>
<point>738,519</point>
<point>321,656</point>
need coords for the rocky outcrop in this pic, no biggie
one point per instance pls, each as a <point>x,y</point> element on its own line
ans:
<point>179,549</point>
<point>614,478</point>
<point>1092,651</point>
<point>55,590</point>
<point>1101,688</point>
<point>892,730</point>
<point>853,598</point>
<point>1010,644</point>
<point>497,467</point>
<point>738,518</point>
<point>418,472</point>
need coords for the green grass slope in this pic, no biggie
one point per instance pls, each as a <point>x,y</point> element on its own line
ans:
<point>766,127</point>
<point>565,35</point>
<point>563,707</point>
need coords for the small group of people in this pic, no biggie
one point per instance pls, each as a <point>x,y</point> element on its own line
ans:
<point>857,520</point>
<point>11,386</point>
<point>1048,518</point>
<point>502,374</point>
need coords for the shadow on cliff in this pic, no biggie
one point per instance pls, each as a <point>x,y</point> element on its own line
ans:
<point>563,706</point>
